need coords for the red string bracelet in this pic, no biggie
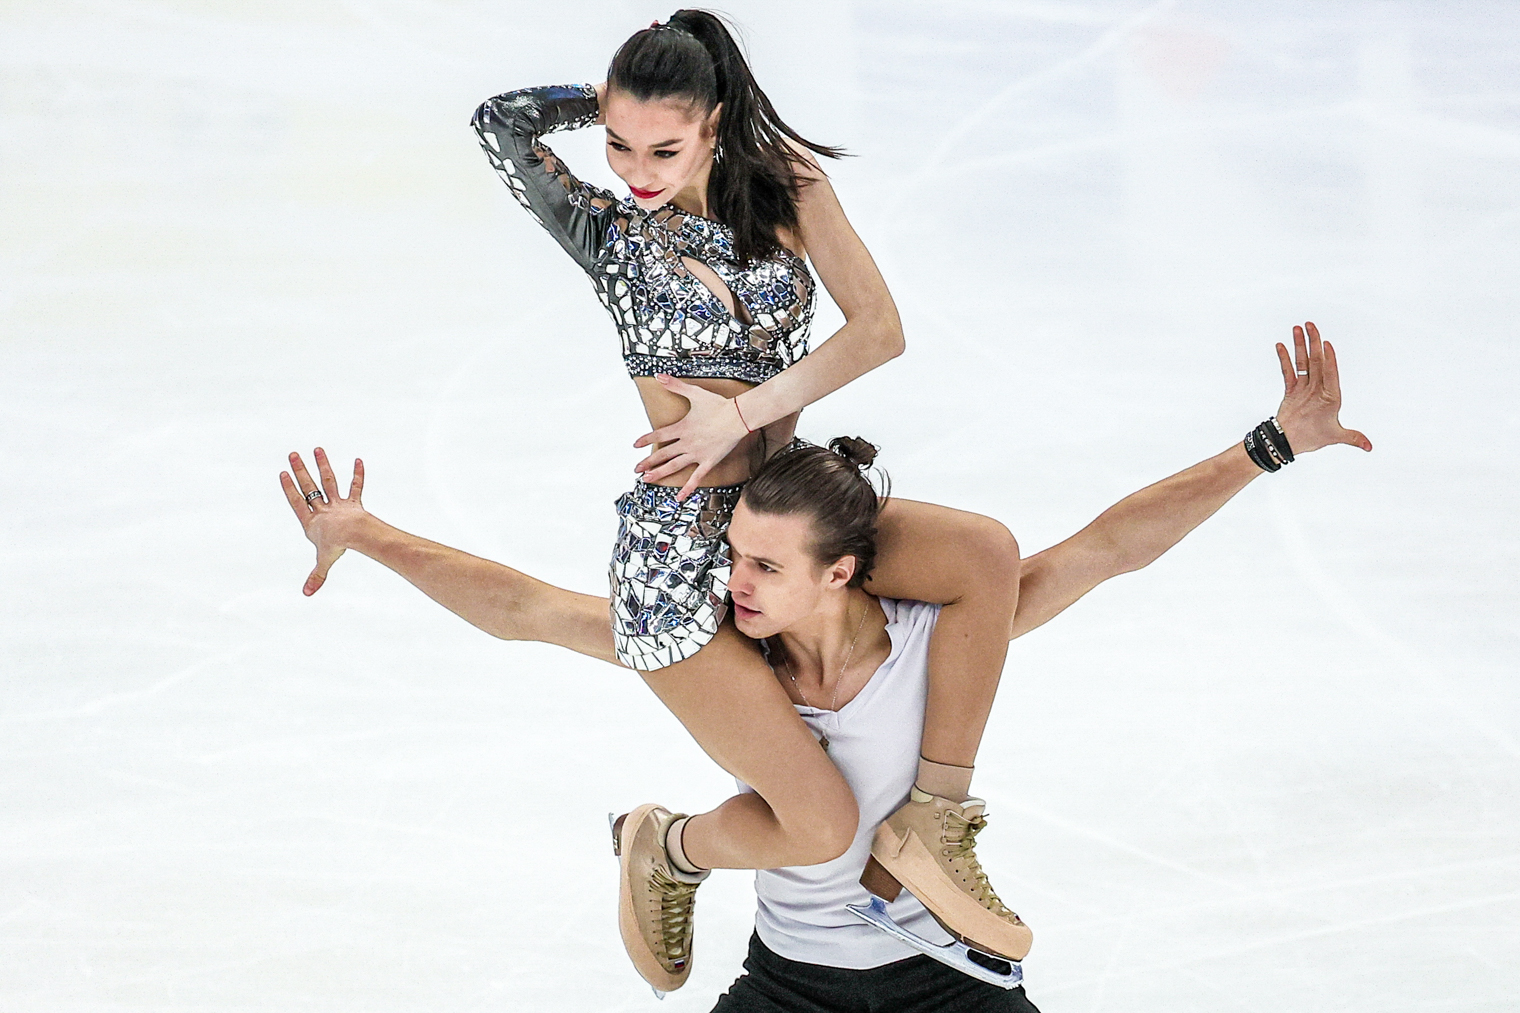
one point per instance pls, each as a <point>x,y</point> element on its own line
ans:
<point>747,429</point>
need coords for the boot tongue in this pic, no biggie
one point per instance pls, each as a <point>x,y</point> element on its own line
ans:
<point>973,807</point>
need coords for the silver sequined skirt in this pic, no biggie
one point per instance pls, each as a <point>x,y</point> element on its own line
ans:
<point>669,572</point>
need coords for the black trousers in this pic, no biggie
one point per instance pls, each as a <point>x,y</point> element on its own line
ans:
<point>774,984</point>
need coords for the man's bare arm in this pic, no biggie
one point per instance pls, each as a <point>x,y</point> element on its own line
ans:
<point>495,598</point>
<point>1127,536</point>
<point>1139,528</point>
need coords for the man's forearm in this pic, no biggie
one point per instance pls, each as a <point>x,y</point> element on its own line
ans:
<point>1128,535</point>
<point>482,593</point>
<point>1143,525</point>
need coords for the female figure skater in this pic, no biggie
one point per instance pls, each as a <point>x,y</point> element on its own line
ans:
<point>703,271</point>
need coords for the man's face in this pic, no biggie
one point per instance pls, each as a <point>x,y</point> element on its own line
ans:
<point>776,582</point>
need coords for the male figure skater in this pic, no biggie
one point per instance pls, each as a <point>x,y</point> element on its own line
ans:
<point>809,952</point>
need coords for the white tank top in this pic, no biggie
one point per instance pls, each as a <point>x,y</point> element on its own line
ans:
<point>874,741</point>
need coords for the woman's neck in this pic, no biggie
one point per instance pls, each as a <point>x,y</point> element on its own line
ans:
<point>692,198</point>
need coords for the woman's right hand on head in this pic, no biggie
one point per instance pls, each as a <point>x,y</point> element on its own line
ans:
<point>327,518</point>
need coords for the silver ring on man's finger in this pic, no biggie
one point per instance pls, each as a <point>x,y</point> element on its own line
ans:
<point>1304,373</point>
<point>314,494</point>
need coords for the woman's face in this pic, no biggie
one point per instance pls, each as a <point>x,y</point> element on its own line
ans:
<point>659,147</point>
<point>776,581</point>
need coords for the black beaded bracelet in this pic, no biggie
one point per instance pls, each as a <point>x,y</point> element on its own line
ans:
<point>1257,455</point>
<point>1267,446</point>
<point>1279,439</point>
<point>1264,441</point>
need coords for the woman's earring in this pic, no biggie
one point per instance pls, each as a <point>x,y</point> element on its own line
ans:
<point>717,151</point>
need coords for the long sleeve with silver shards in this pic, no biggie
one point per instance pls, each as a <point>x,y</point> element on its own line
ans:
<point>510,127</point>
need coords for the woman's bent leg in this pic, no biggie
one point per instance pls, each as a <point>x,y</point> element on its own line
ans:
<point>801,812</point>
<point>970,565</point>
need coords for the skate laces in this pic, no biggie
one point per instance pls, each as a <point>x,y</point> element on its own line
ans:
<point>677,900</point>
<point>960,840</point>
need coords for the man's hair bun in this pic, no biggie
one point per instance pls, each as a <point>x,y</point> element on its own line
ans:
<point>855,450</point>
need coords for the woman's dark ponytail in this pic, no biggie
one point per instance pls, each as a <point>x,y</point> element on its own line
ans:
<point>754,187</point>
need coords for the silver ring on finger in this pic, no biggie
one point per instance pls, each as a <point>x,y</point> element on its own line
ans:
<point>314,494</point>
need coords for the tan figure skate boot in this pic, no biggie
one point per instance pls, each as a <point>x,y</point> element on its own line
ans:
<point>655,899</point>
<point>929,847</point>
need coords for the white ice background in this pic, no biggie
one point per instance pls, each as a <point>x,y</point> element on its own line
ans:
<point>1276,770</point>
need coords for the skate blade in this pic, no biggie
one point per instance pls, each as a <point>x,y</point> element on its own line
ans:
<point>981,966</point>
<point>657,993</point>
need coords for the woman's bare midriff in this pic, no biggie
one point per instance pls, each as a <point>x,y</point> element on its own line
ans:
<point>665,408</point>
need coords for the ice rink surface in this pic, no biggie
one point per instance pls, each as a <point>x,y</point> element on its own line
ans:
<point>1279,769</point>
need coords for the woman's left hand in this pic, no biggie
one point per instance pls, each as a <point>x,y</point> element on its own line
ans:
<point>708,433</point>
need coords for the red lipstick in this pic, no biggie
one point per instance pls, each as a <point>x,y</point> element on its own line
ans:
<point>645,194</point>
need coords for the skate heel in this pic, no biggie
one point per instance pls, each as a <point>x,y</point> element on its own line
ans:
<point>879,881</point>
<point>615,823</point>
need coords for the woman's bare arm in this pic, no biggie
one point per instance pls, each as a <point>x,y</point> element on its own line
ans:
<point>872,333</point>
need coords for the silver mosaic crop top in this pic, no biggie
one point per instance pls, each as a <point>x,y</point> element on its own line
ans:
<point>669,321</point>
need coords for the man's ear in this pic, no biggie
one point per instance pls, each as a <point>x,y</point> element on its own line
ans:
<point>841,572</point>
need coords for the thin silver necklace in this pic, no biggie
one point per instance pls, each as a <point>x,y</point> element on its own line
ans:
<point>838,679</point>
